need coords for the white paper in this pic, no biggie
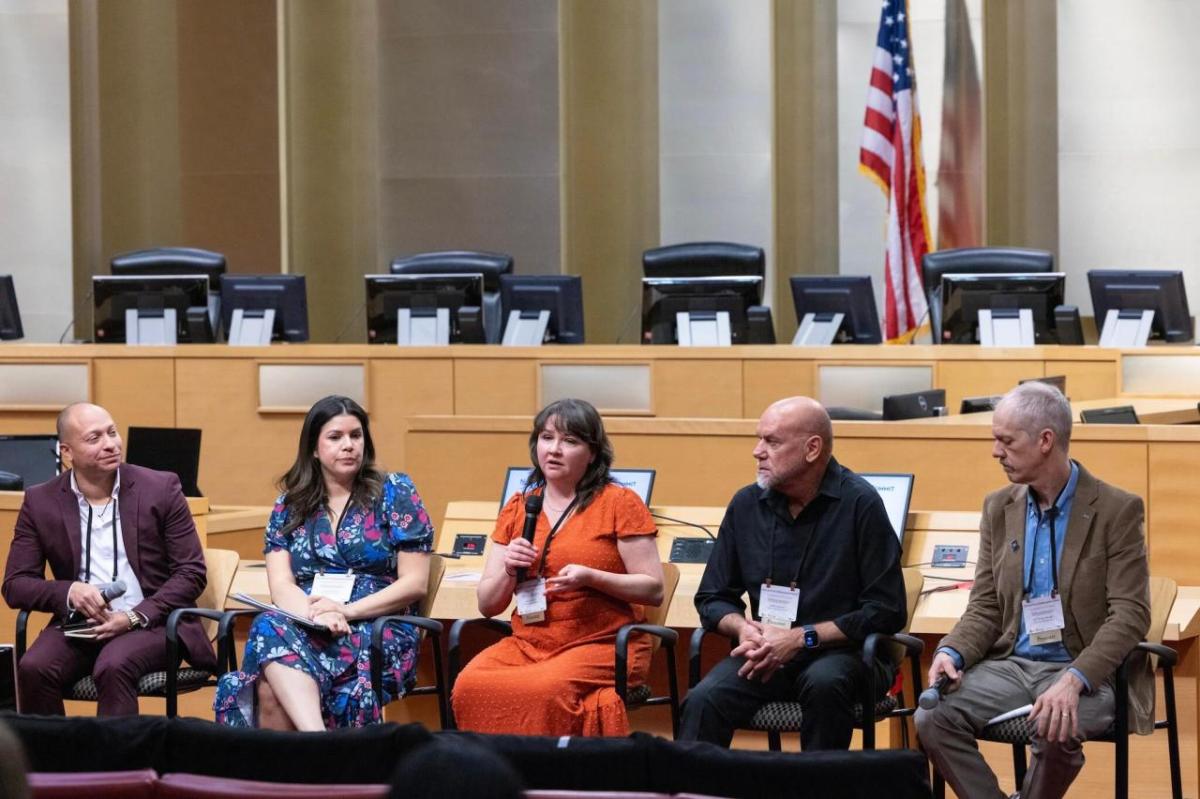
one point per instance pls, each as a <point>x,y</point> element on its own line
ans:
<point>1023,710</point>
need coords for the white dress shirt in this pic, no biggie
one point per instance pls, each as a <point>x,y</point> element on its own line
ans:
<point>105,523</point>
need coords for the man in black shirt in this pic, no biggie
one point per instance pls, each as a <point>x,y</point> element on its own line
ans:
<point>812,546</point>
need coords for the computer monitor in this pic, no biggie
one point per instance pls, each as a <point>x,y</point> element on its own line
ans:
<point>896,492</point>
<point>168,449</point>
<point>965,295</point>
<point>1120,414</point>
<point>10,312</point>
<point>33,457</point>
<point>916,405</point>
<point>438,308</point>
<point>979,404</point>
<point>164,309</point>
<point>528,295</point>
<point>850,295</point>
<point>1161,291</point>
<point>640,480</point>
<point>703,298</point>
<point>254,295</point>
<point>1058,381</point>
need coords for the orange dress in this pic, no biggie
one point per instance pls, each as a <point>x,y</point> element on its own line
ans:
<point>555,677</point>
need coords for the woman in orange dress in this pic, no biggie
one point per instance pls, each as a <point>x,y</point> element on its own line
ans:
<point>595,558</point>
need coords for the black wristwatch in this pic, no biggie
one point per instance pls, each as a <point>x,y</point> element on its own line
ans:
<point>811,639</point>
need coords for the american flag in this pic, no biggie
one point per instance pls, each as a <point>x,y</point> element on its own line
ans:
<point>891,156</point>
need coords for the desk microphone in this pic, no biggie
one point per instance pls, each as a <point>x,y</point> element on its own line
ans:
<point>933,694</point>
<point>533,509</point>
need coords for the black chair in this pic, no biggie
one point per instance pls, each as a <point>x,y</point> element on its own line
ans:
<point>715,259</point>
<point>975,261</point>
<point>1019,731</point>
<point>775,718</point>
<point>847,414</point>
<point>490,264</point>
<point>636,697</point>
<point>171,261</point>
<point>11,482</point>
<point>221,565</point>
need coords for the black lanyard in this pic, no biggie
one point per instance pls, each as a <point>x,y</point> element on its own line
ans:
<point>312,541</point>
<point>87,563</point>
<point>553,532</point>
<point>1051,515</point>
<point>803,552</point>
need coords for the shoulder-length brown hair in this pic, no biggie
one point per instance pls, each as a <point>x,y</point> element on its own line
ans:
<point>582,420</point>
<point>304,484</point>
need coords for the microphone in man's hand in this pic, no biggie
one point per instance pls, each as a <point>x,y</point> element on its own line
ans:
<point>533,509</point>
<point>933,694</point>
<point>110,591</point>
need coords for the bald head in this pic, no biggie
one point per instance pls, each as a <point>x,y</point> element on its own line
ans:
<point>795,442</point>
<point>803,416</point>
<point>68,418</point>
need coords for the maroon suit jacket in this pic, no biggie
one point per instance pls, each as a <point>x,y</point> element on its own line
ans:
<point>160,541</point>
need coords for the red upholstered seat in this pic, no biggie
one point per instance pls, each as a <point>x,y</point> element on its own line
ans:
<point>137,784</point>
<point>196,786</point>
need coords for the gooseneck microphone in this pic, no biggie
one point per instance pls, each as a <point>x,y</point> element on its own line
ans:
<point>933,694</point>
<point>533,509</point>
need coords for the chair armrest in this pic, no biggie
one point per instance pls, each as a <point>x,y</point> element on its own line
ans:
<point>668,636</point>
<point>225,636</point>
<point>456,630</point>
<point>22,634</point>
<point>432,627</point>
<point>1166,654</point>
<point>178,615</point>
<point>694,647</point>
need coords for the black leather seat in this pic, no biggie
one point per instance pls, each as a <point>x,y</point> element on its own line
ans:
<point>490,264</point>
<point>715,259</point>
<point>171,261</point>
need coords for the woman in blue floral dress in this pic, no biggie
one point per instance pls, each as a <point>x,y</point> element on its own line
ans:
<point>346,543</point>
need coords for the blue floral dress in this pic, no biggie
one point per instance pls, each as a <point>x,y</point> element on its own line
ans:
<point>367,542</point>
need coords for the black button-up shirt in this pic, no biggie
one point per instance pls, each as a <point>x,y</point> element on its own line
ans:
<point>840,551</point>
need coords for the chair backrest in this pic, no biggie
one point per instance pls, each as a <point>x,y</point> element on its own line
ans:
<point>221,566</point>
<point>703,259</point>
<point>437,569</point>
<point>981,261</point>
<point>658,615</point>
<point>490,264</point>
<point>170,261</point>
<point>1162,597</point>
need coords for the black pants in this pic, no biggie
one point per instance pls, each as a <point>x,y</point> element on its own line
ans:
<point>827,684</point>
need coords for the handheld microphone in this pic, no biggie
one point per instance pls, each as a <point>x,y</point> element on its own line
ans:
<point>110,591</point>
<point>533,508</point>
<point>933,694</point>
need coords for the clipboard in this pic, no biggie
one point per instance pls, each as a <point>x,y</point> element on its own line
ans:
<point>299,621</point>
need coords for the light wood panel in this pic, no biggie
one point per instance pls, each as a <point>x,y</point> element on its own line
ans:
<point>501,385</point>
<point>765,382</point>
<point>698,388</point>
<point>975,378</point>
<point>143,390</point>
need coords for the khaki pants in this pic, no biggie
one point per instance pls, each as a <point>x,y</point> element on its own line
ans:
<point>992,687</point>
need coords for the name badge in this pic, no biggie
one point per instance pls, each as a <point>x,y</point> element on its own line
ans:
<point>337,587</point>
<point>1043,619</point>
<point>531,600</point>
<point>778,605</point>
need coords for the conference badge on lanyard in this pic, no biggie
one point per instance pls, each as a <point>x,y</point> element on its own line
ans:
<point>1043,619</point>
<point>337,587</point>
<point>778,605</point>
<point>531,600</point>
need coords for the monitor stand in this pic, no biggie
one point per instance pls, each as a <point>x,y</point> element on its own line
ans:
<point>1006,327</point>
<point>251,328</point>
<point>526,328</point>
<point>1126,328</point>
<point>703,329</point>
<point>150,327</point>
<point>818,329</point>
<point>422,327</point>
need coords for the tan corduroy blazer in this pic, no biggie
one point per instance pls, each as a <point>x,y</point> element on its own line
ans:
<point>1103,581</point>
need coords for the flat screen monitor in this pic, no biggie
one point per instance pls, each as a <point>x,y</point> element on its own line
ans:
<point>1058,381</point>
<point>896,492</point>
<point>664,297</point>
<point>1120,414</point>
<point>284,294</point>
<point>851,295</point>
<point>979,404</point>
<point>10,312</point>
<point>916,405</point>
<point>965,295</point>
<point>168,449</point>
<point>460,294</point>
<point>187,295</point>
<point>640,480</point>
<point>561,295</point>
<point>1161,291</point>
<point>33,457</point>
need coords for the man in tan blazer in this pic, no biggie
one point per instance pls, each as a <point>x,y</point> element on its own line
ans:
<point>1061,596</point>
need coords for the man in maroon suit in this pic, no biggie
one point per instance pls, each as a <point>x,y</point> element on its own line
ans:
<point>103,522</point>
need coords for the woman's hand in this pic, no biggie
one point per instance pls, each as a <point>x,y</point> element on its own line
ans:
<point>323,604</point>
<point>335,621</point>
<point>571,577</point>
<point>519,554</point>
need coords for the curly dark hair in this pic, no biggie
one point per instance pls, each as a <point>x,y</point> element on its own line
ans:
<point>582,420</point>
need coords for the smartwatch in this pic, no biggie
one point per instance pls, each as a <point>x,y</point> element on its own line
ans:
<point>811,639</point>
